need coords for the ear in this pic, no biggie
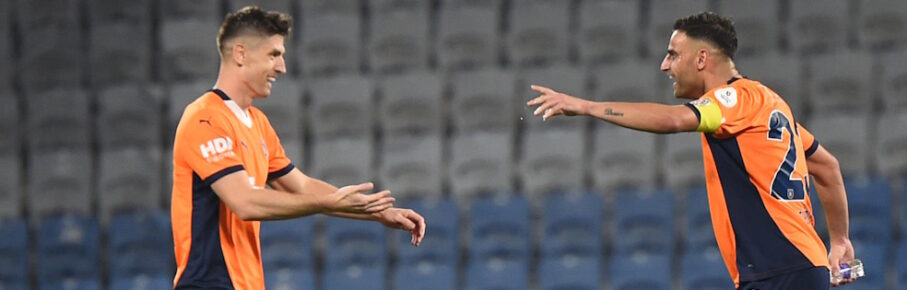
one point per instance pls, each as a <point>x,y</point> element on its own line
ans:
<point>702,56</point>
<point>239,53</point>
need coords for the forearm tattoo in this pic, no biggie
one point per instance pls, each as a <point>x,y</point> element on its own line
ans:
<point>611,112</point>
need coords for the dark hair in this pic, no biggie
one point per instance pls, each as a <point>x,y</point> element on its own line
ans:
<point>710,27</point>
<point>252,20</point>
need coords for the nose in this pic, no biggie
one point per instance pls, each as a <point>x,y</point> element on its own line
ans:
<point>280,66</point>
<point>665,64</point>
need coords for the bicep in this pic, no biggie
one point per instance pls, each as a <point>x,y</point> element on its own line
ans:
<point>231,187</point>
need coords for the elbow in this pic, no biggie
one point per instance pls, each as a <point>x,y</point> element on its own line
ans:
<point>670,125</point>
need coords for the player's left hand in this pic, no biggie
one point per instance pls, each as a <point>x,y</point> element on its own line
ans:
<point>840,251</point>
<point>404,219</point>
<point>552,103</point>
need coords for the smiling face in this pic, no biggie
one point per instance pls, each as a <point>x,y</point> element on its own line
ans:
<point>683,64</point>
<point>262,63</point>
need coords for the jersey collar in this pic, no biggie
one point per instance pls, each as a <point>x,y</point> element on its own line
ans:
<point>240,114</point>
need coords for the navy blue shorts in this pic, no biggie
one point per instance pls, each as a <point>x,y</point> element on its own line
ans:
<point>811,278</point>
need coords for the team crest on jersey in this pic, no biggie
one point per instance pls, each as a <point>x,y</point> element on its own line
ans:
<point>727,96</point>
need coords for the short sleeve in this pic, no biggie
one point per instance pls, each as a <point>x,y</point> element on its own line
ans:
<point>736,110</point>
<point>204,141</point>
<point>278,162</point>
<point>810,144</point>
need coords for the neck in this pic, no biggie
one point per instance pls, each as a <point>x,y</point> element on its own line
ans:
<point>229,82</point>
<point>719,76</point>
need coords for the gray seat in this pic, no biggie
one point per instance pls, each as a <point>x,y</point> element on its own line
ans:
<point>129,179</point>
<point>882,25</point>
<point>284,109</point>
<point>284,6</point>
<point>10,125</point>
<point>343,161</point>
<point>411,104</point>
<point>633,81</point>
<point>59,182</point>
<point>816,29</point>
<point>320,7</point>
<point>608,31</point>
<point>128,116</point>
<point>493,5</point>
<point>381,7</point>
<point>188,50</point>
<point>562,78</point>
<point>51,58</point>
<point>481,163</point>
<point>847,137</point>
<point>411,166</point>
<point>47,13</point>
<point>113,12</point>
<point>661,22</point>
<point>757,25</point>
<point>484,101</point>
<point>206,10</point>
<point>623,158</point>
<point>468,37</point>
<point>841,82</point>
<point>399,41</point>
<point>890,152</point>
<point>893,84</point>
<point>683,164</point>
<point>58,119</point>
<point>295,150</point>
<point>7,57</point>
<point>120,53</point>
<point>331,44</point>
<point>552,160</point>
<point>538,33</point>
<point>11,189</point>
<point>779,73</point>
<point>342,106</point>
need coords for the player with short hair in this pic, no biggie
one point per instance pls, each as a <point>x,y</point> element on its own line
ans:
<point>757,159</point>
<point>226,153</point>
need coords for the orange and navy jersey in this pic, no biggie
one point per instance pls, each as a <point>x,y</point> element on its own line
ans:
<point>214,248</point>
<point>755,167</point>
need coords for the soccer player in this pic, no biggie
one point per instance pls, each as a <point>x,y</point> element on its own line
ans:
<point>757,159</point>
<point>225,154</point>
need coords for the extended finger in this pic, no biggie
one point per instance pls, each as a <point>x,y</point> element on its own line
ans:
<point>369,198</point>
<point>380,205</point>
<point>537,100</point>
<point>542,89</point>
<point>543,107</point>
<point>421,228</point>
<point>553,111</point>
<point>365,186</point>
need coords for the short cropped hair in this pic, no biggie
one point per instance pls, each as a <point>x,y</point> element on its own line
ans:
<point>251,20</point>
<point>710,27</point>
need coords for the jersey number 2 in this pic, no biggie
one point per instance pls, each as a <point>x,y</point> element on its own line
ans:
<point>784,186</point>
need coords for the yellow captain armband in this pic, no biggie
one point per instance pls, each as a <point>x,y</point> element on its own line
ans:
<point>709,114</point>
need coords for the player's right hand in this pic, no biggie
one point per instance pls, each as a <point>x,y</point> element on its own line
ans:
<point>357,199</point>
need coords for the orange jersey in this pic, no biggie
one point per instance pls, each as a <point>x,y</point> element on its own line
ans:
<point>214,248</point>
<point>757,180</point>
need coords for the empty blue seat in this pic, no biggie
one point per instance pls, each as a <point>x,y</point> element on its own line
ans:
<point>67,250</point>
<point>644,221</point>
<point>572,225</point>
<point>355,277</point>
<point>700,235</point>
<point>497,275</point>
<point>13,252</point>
<point>142,282</point>
<point>705,271</point>
<point>900,263</point>
<point>140,244</point>
<point>569,273</point>
<point>869,202</point>
<point>500,229</point>
<point>70,284</point>
<point>287,244</point>
<point>289,279</point>
<point>440,245</point>
<point>641,272</point>
<point>355,243</point>
<point>425,276</point>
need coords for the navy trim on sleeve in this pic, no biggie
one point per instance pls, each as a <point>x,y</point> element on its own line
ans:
<point>280,173</point>
<point>223,172</point>
<point>695,110</point>
<point>812,148</point>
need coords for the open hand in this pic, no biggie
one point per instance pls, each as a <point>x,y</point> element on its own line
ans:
<point>552,103</point>
<point>404,219</point>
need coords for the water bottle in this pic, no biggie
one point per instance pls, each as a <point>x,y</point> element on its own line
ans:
<point>852,270</point>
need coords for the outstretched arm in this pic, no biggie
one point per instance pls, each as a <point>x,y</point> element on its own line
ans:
<point>649,117</point>
<point>824,168</point>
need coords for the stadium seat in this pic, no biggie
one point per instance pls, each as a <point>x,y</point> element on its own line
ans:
<point>129,115</point>
<point>139,245</point>
<point>441,247</point>
<point>573,273</point>
<point>412,104</point>
<point>539,33</point>
<point>50,57</point>
<point>562,78</point>
<point>208,10</point>
<point>552,160</point>
<point>290,279</point>
<point>608,31</point>
<point>343,161</point>
<point>644,223</point>
<point>59,182</point>
<point>781,73</point>
<point>342,106</point>
<point>841,82</point>
<point>683,160</point>
<point>179,95</point>
<point>36,15</point>
<point>622,158</point>
<point>6,53</point>
<point>284,109</point>
<point>890,151</point>
<point>494,5</point>
<point>13,252</point>
<point>497,275</point>
<point>817,29</point>
<point>408,176</point>
<point>70,284</point>
<point>757,26</point>
<point>120,53</point>
<point>468,38</point>
<point>480,163</point>
<point>11,187</point>
<point>58,119</point>
<point>112,12</point>
<point>67,250</point>
<point>425,277</point>
<point>129,179</point>
<point>869,203</point>
<point>571,225</point>
<point>331,45</point>
<point>640,272</point>
<point>704,272</point>
<point>288,244</point>
<point>186,52</point>
<point>355,277</point>
<point>354,243</point>
<point>882,25</point>
<point>484,101</point>
<point>399,41</point>
<point>500,230</point>
<point>10,125</point>
<point>900,263</point>
<point>699,235</point>
<point>142,283</point>
<point>320,7</point>
<point>662,15</point>
<point>846,137</point>
<point>633,81</point>
<point>893,83</point>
